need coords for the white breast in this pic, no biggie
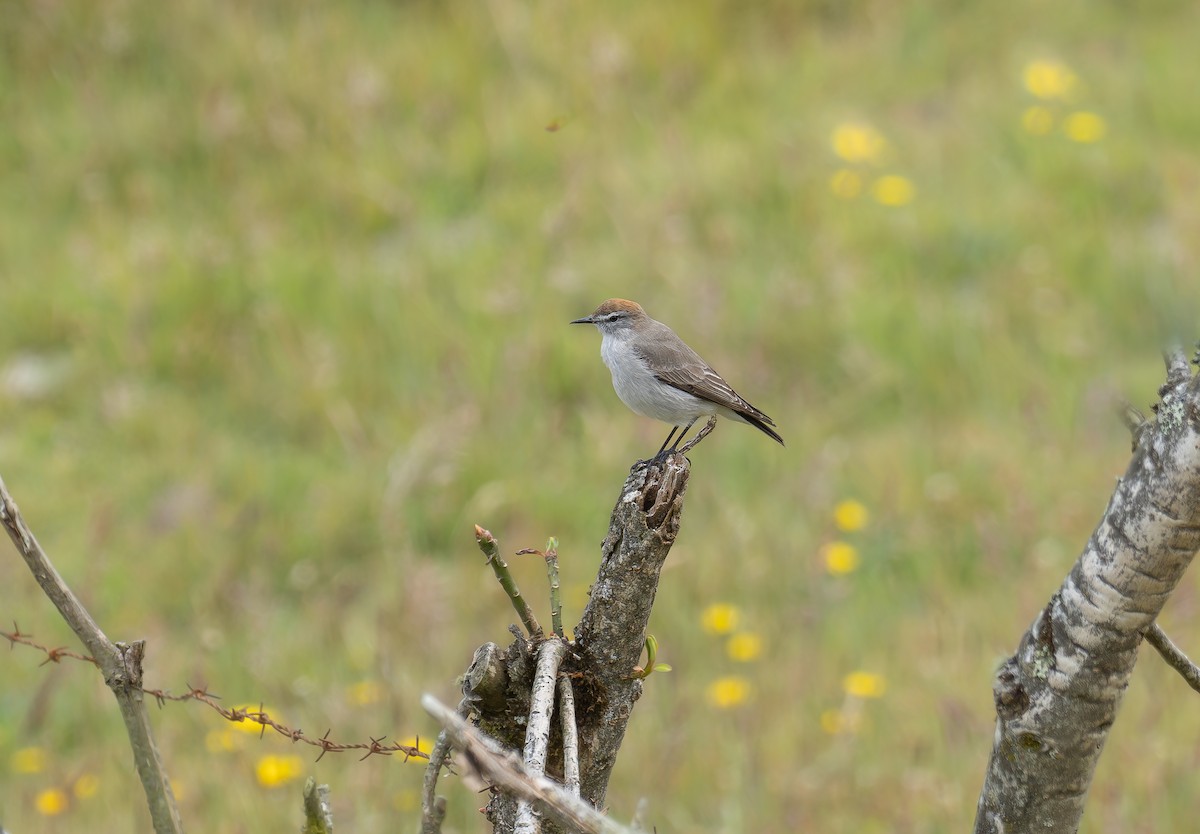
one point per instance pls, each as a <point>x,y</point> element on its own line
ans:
<point>644,394</point>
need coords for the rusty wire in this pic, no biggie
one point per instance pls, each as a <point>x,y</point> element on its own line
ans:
<point>238,715</point>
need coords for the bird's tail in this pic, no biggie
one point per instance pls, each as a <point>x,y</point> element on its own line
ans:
<point>763,423</point>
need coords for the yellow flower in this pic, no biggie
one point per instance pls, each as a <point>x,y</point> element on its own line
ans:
<point>720,618</point>
<point>729,692</point>
<point>850,515</point>
<point>51,802</point>
<point>864,685</point>
<point>1049,79</point>
<point>858,142</point>
<point>894,190</point>
<point>273,771</point>
<point>86,786</point>
<point>840,558</point>
<point>840,722</point>
<point>28,760</point>
<point>1083,126</point>
<point>220,741</point>
<point>364,692</point>
<point>845,183</point>
<point>744,646</point>
<point>1037,120</point>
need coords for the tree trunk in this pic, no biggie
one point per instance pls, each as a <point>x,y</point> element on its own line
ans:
<point>1057,697</point>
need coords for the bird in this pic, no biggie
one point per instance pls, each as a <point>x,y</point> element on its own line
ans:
<point>657,375</point>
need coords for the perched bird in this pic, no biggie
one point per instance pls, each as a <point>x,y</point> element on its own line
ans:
<point>657,375</point>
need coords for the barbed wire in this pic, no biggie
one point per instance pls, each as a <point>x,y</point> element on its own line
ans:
<point>238,715</point>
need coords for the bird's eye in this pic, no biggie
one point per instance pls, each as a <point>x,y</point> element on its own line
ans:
<point>613,316</point>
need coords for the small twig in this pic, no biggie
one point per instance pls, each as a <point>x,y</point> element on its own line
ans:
<point>491,548</point>
<point>433,807</point>
<point>556,623</point>
<point>537,731</point>
<point>700,435</point>
<point>570,735</point>
<point>1175,658</point>
<point>505,770</point>
<point>318,813</point>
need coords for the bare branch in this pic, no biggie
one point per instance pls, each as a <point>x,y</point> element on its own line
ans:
<point>120,663</point>
<point>491,548</point>
<point>433,807</point>
<point>537,734</point>
<point>1175,658</point>
<point>570,735</point>
<point>318,814</point>
<point>506,771</point>
<point>1057,697</point>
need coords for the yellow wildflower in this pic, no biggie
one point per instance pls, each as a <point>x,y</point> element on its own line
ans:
<point>840,722</point>
<point>220,741</point>
<point>846,183</point>
<point>850,515</point>
<point>840,558</point>
<point>1037,120</point>
<point>273,771</point>
<point>858,142</point>
<point>864,685</point>
<point>894,190</point>
<point>720,618</point>
<point>1049,79</point>
<point>1083,126</point>
<point>364,692</point>
<point>51,802</point>
<point>729,692</point>
<point>28,760</point>
<point>744,646</point>
<point>86,786</point>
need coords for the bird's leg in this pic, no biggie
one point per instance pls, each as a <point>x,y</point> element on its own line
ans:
<point>658,456</point>
<point>686,429</point>
<point>700,435</point>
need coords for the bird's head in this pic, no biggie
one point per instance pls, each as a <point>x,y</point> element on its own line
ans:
<point>615,315</point>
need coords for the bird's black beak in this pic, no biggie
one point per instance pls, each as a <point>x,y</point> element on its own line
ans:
<point>584,320</point>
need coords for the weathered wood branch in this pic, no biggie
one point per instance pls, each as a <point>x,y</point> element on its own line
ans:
<point>598,669</point>
<point>121,664</point>
<point>504,769</point>
<point>1058,696</point>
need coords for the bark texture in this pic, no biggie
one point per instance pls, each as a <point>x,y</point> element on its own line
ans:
<point>608,644</point>
<point>1058,695</point>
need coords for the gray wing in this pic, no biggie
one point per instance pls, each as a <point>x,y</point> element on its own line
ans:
<point>682,368</point>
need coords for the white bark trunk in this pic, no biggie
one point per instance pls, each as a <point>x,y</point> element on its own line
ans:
<point>1057,697</point>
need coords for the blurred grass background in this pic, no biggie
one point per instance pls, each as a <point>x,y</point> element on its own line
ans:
<point>283,302</point>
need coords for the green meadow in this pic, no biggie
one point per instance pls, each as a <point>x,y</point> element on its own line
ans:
<point>284,292</point>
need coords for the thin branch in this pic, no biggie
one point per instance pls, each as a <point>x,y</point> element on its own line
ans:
<point>555,594</point>
<point>318,813</point>
<point>433,807</point>
<point>700,435</point>
<point>570,735</point>
<point>491,548</point>
<point>505,770</point>
<point>537,733</point>
<point>1175,658</point>
<point>120,663</point>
